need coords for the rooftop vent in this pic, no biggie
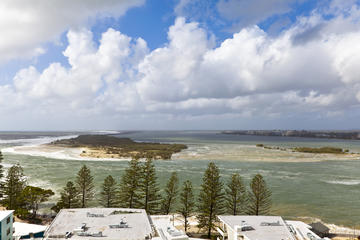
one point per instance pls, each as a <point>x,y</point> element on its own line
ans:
<point>82,228</point>
<point>174,232</point>
<point>271,223</point>
<point>123,224</point>
<point>94,215</point>
<point>244,227</point>
<point>88,234</point>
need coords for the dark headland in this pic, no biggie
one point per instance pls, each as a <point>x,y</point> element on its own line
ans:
<point>351,135</point>
<point>105,146</point>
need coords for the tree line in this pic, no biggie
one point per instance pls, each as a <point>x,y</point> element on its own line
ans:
<point>138,188</point>
<point>16,194</point>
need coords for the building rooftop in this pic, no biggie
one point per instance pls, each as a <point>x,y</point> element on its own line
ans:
<point>320,227</point>
<point>24,229</point>
<point>259,227</point>
<point>165,228</point>
<point>100,223</point>
<point>302,230</point>
<point>5,213</point>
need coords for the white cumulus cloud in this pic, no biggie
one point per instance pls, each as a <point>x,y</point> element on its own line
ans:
<point>251,74</point>
<point>25,25</point>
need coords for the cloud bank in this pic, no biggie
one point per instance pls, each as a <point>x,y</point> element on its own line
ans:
<point>311,68</point>
<point>25,25</point>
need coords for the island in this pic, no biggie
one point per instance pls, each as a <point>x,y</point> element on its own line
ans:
<point>105,146</point>
<point>317,150</point>
<point>351,135</point>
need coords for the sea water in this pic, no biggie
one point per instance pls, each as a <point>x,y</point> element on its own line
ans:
<point>303,185</point>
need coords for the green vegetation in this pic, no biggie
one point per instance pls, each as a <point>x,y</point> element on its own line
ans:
<point>110,146</point>
<point>20,197</point>
<point>187,202</point>
<point>108,193</point>
<point>149,190</point>
<point>210,201</point>
<point>139,189</point>
<point>332,150</point>
<point>129,186</point>
<point>259,197</point>
<point>171,192</point>
<point>33,196</point>
<point>270,147</point>
<point>12,189</point>
<point>235,198</point>
<point>323,150</point>
<point>85,186</point>
<point>69,197</point>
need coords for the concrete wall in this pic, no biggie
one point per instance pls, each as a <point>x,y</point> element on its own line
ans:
<point>230,233</point>
<point>5,226</point>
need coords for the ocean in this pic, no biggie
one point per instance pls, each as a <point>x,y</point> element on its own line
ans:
<point>303,185</point>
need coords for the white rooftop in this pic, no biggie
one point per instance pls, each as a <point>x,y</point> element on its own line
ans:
<point>165,228</point>
<point>263,227</point>
<point>104,220</point>
<point>5,213</point>
<point>302,230</point>
<point>23,229</point>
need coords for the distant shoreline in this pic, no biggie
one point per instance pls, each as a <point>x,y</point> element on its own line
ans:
<point>345,135</point>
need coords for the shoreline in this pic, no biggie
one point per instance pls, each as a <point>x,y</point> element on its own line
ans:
<point>242,153</point>
<point>56,152</point>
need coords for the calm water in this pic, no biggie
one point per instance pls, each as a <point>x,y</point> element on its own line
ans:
<point>328,188</point>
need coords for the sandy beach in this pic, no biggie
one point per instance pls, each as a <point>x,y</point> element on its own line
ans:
<point>64,153</point>
<point>202,152</point>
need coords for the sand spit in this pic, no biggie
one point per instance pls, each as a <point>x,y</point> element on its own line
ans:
<point>245,153</point>
<point>63,153</point>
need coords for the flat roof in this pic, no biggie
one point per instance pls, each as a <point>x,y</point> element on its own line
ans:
<point>23,229</point>
<point>264,227</point>
<point>5,213</point>
<point>302,229</point>
<point>69,219</point>
<point>165,229</point>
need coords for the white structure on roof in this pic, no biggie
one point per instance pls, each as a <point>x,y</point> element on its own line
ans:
<point>100,223</point>
<point>6,225</point>
<point>254,228</point>
<point>165,228</point>
<point>302,231</point>
<point>27,230</point>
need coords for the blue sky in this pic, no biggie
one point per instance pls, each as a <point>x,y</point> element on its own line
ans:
<point>179,64</point>
<point>151,22</point>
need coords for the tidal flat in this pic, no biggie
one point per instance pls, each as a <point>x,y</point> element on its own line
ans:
<point>303,184</point>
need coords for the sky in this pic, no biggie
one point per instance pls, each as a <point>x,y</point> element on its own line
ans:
<point>179,64</point>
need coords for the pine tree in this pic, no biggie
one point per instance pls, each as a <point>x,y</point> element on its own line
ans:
<point>171,192</point>
<point>69,197</point>
<point>33,196</point>
<point>13,187</point>
<point>235,197</point>
<point>210,199</point>
<point>85,185</point>
<point>259,197</point>
<point>129,186</point>
<point>187,203</point>
<point>149,188</point>
<point>108,193</point>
